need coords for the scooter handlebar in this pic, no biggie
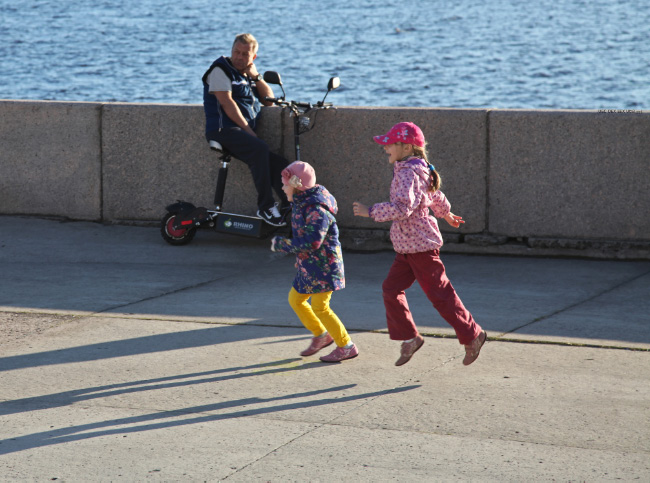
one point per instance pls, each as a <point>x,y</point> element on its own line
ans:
<point>279,101</point>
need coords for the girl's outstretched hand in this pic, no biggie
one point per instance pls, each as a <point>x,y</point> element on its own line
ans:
<point>360,210</point>
<point>454,220</point>
<point>276,239</point>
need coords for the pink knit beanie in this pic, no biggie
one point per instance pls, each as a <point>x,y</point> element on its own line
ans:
<point>299,175</point>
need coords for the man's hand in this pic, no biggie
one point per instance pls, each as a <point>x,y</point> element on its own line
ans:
<point>453,220</point>
<point>251,70</point>
<point>360,210</point>
<point>263,89</point>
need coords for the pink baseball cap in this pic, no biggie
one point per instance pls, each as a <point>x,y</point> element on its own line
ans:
<point>403,132</point>
<point>305,176</point>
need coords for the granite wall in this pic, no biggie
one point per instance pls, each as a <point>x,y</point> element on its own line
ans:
<point>527,182</point>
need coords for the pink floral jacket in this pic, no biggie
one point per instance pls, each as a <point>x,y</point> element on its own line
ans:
<point>413,230</point>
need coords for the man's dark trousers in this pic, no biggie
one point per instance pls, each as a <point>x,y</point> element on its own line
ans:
<point>265,166</point>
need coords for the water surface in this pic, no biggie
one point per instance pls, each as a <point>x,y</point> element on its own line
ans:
<point>570,54</point>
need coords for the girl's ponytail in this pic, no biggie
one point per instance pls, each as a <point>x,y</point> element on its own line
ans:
<point>435,181</point>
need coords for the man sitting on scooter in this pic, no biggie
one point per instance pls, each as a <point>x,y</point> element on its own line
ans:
<point>232,92</point>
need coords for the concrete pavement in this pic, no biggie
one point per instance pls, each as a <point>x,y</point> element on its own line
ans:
<point>125,359</point>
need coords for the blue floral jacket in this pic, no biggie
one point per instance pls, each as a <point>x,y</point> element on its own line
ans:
<point>315,242</point>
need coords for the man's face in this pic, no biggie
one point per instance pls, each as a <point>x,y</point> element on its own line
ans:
<point>242,55</point>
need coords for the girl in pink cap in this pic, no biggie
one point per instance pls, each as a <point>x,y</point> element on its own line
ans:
<point>417,240</point>
<point>319,261</point>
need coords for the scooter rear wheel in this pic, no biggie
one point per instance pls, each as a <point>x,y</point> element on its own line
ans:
<point>175,236</point>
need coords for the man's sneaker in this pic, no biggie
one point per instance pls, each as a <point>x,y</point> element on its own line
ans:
<point>473,349</point>
<point>408,349</point>
<point>271,216</point>
<point>341,353</point>
<point>317,343</point>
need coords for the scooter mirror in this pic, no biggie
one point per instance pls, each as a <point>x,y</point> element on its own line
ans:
<point>271,77</point>
<point>334,83</point>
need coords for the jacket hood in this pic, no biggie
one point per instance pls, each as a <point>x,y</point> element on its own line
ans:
<point>318,195</point>
<point>416,164</point>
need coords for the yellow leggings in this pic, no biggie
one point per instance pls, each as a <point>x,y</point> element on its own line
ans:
<point>318,317</point>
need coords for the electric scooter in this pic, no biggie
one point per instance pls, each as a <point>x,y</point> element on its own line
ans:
<point>182,219</point>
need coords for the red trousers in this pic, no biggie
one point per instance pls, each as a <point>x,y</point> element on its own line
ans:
<point>428,270</point>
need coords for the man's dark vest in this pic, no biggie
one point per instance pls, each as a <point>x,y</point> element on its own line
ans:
<point>242,93</point>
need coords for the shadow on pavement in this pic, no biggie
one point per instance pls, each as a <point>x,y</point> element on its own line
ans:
<point>162,420</point>
<point>137,346</point>
<point>67,398</point>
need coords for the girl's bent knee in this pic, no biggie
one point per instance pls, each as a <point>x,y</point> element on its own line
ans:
<point>388,290</point>
<point>295,300</point>
<point>322,312</point>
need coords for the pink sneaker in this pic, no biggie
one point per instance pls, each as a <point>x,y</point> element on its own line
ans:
<point>473,349</point>
<point>341,353</point>
<point>408,349</point>
<point>317,343</point>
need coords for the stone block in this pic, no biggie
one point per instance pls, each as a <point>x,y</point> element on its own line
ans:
<point>485,240</point>
<point>50,161</point>
<point>569,174</point>
<point>353,167</point>
<point>156,154</point>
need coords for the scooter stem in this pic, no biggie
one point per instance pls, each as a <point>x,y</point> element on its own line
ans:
<point>296,135</point>
<point>221,185</point>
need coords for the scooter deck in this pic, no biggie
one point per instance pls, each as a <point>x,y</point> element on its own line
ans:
<point>242,225</point>
<point>190,216</point>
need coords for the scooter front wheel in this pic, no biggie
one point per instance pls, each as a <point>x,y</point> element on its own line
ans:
<point>175,236</point>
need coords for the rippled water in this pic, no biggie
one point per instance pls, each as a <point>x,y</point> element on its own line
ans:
<point>466,53</point>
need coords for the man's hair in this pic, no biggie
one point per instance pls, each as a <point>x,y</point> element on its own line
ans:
<point>247,39</point>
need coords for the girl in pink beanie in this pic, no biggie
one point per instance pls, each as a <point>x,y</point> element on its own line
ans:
<point>319,261</point>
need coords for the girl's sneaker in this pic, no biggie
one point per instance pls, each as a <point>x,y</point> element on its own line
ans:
<point>473,349</point>
<point>408,349</point>
<point>317,343</point>
<point>341,353</point>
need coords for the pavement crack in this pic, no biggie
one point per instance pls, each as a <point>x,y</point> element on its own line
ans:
<point>238,274</point>
<point>331,422</point>
<point>574,305</point>
<point>160,295</point>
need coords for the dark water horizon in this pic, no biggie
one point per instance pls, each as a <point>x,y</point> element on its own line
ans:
<point>562,54</point>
